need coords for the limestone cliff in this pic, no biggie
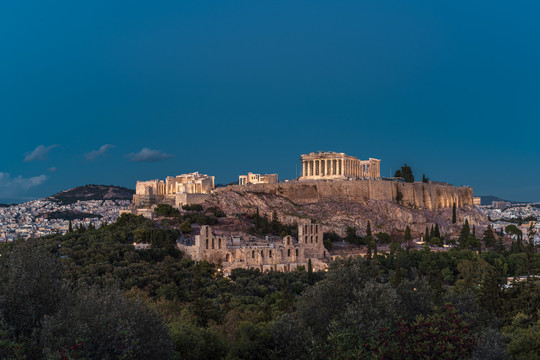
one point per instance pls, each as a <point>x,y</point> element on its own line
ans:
<point>419,195</point>
<point>340,204</point>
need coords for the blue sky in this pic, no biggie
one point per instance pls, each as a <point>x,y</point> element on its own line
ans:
<point>110,92</point>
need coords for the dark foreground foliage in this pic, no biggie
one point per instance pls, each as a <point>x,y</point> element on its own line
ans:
<point>91,295</point>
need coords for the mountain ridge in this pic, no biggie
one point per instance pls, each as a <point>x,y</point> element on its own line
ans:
<point>92,192</point>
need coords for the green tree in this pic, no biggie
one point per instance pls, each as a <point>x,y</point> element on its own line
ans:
<point>185,227</point>
<point>194,343</point>
<point>454,213</point>
<point>514,230</point>
<point>368,229</point>
<point>384,238</point>
<point>465,231</point>
<point>489,238</point>
<point>310,272</point>
<point>31,288</point>
<point>408,236</point>
<point>104,324</point>
<point>70,227</point>
<point>426,235</point>
<point>437,231</point>
<point>406,173</point>
<point>350,235</point>
<point>292,339</point>
<point>524,334</point>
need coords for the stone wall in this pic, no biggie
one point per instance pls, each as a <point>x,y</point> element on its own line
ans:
<point>284,255</point>
<point>419,195</point>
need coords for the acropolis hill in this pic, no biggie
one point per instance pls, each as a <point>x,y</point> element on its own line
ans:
<point>335,190</point>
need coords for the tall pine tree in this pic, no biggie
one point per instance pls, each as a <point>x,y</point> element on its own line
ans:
<point>454,214</point>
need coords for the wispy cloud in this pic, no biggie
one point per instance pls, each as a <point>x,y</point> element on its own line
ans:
<point>52,169</point>
<point>93,155</point>
<point>15,187</point>
<point>149,155</point>
<point>40,153</point>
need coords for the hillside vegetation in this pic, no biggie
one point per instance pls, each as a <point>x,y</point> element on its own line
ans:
<point>90,295</point>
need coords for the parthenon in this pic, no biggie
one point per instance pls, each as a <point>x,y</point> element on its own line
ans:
<point>332,165</point>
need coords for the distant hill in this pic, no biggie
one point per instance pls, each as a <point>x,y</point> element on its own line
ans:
<point>488,199</point>
<point>69,215</point>
<point>92,192</point>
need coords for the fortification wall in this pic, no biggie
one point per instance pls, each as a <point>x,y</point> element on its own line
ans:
<point>419,195</point>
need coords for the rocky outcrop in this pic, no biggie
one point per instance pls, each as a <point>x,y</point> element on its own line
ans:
<point>338,205</point>
<point>417,195</point>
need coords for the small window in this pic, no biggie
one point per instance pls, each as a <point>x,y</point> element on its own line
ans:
<point>289,253</point>
<point>270,253</point>
<point>219,243</point>
<point>262,254</point>
<point>296,252</point>
<point>213,247</point>
<point>253,254</point>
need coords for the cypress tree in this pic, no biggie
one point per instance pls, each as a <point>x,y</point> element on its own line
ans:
<point>426,235</point>
<point>408,236</point>
<point>432,232</point>
<point>489,238</point>
<point>310,272</point>
<point>368,229</point>
<point>70,228</point>
<point>454,214</point>
<point>465,231</point>
<point>474,231</point>
<point>499,246</point>
<point>437,231</point>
